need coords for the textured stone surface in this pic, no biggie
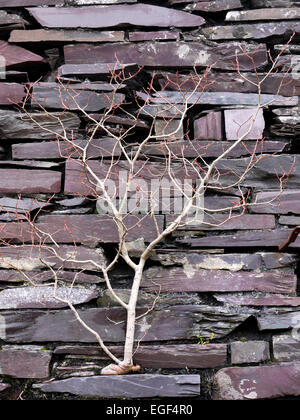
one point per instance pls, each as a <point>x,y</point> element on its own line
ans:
<point>161,356</point>
<point>258,300</point>
<point>258,382</point>
<point>204,148</point>
<point>253,31</point>
<point>96,71</point>
<point>64,36</point>
<point>192,279</point>
<point>225,222</point>
<point>18,58</point>
<point>29,181</point>
<point>22,205</point>
<point>3,386</point>
<point>284,202</point>
<point>179,322</point>
<point>232,82</point>
<point>281,321</point>
<point>289,220</point>
<point>10,21</point>
<point>23,3</point>
<point>260,14</point>
<point>244,123</point>
<point>24,362</point>
<point>286,347</point>
<point>150,36</point>
<point>51,95</point>
<point>226,98</point>
<point>214,6</point>
<point>258,239</point>
<point>104,147</point>
<point>110,16</point>
<point>249,352</point>
<point>209,127</point>
<point>42,297</point>
<point>167,54</point>
<point>133,386</point>
<point>31,257</point>
<point>16,126</point>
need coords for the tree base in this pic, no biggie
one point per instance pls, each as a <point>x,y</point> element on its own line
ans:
<point>119,369</point>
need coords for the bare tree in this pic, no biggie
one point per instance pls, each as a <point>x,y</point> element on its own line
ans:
<point>142,174</point>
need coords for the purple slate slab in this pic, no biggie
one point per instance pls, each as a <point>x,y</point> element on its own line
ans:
<point>29,181</point>
<point>259,301</point>
<point>192,279</point>
<point>25,362</point>
<point>17,58</point>
<point>258,382</point>
<point>239,121</point>
<point>209,127</point>
<point>151,36</point>
<point>286,348</point>
<point>249,352</point>
<point>167,54</point>
<point>213,6</point>
<point>114,15</point>
<point>24,3</point>
<point>259,239</point>
<point>194,148</point>
<point>104,147</point>
<point>128,386</point>
<point>284,202</point>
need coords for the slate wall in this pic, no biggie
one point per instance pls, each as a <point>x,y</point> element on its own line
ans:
<point>230,282</point>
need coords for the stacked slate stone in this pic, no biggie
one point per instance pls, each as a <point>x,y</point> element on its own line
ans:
<point>225,324</point>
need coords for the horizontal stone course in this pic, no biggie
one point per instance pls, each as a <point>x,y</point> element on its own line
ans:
<point>29,181</point>
<point>133,386</point>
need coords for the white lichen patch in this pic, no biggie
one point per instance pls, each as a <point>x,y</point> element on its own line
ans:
<point>226,390</point>
<point>43,297</point>
<point>202,58</point>
<point>183,51</point>
<point>214,263</point>
<point>26,264</point>
<point>2,328</point>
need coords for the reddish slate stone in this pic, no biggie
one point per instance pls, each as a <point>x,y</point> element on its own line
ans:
<point>168,54</point>
<point>110,16</point>
<point>14,125</point>
<point>258,382</point>
<point>104,147</point>
<point>51,95</point>
<point>151,36</point>
<point>279,321</point>
<point>289,220</point>
<point>23,3</point>
<point>232,82</point>
<point>179,322</point>
<point>11,93</point>
<point>263,239</point>
<point>284,202</point>
<point>129,386</point>
<point>162,356</point>
<point>28,257</point>
<point>61,36</point>
<point>259,301</point>
<point>212,98</point>
<point>12,276</point>
<point>29,181</point>
<point>214,6</point>
<point>10,21</point>
<point>18,58</point>
<point>286,348</point>
<point>42,297</point>
<point>262,31</point>
<point>209,127</point>
<point>194,148</point>
<point>249,352</point>
<point>225,222</point>
<point>192,279</point>
<point>25,362</point>
<point>260,14</point>
<point>239,121</point>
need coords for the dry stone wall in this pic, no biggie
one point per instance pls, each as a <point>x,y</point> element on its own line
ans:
<point>227,318</point>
